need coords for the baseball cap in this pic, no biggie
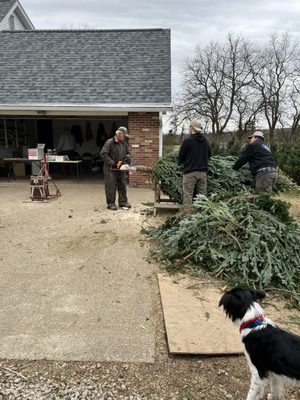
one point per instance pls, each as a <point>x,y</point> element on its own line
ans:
<point>123,130</point>
<point>195,123</point>
<point>257,134</point>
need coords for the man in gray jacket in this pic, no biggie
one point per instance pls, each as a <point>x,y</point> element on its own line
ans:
<point>114,154</point>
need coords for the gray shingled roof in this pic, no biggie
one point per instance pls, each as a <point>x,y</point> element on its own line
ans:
<point>85,67</point>
<point>5,6</point>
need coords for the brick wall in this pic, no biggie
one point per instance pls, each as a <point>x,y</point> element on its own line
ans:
<point>144,145</point>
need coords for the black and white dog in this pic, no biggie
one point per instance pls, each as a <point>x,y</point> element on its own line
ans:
<point>273,354</point>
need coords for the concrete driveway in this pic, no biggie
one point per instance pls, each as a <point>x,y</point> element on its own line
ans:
<point>74,282</point>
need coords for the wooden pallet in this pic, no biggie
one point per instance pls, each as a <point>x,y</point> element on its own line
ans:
<point>161,202</point>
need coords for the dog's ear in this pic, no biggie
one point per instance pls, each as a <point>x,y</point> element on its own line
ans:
<point>228,301</point>
<point>258,294</point>
<point>223,299</point>
<point>236,302</point>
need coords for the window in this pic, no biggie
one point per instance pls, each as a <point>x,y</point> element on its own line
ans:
<point>12,23</point>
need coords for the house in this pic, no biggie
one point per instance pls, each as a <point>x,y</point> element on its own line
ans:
<point>88,81</point>
<point>13,17</point>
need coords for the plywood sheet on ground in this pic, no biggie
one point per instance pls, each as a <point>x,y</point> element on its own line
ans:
<point>194,322</point>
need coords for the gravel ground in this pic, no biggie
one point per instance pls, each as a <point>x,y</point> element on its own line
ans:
<point>168,378</point>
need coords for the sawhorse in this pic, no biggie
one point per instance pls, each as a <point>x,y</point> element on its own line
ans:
<point>162,203</point>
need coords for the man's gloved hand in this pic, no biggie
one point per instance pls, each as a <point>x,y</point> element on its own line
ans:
<point>117,165</point>
<point>127,159</point>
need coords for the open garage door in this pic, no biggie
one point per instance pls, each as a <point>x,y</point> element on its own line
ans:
<point>89,133</point>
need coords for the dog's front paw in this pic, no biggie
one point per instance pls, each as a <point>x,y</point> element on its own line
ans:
<point>269,397</point>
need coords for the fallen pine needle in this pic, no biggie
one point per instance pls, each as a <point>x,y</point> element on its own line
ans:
<point>193,286</point>
<point>14,372</point>
<point>144,328</point>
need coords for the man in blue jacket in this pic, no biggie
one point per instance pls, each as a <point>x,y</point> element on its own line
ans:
<point>194,154</point>
<point>260,159</point>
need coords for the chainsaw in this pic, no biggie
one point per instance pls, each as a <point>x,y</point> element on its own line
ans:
<point>123,167</point>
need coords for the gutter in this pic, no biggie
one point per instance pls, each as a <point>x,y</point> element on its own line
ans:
<point>40,109</point>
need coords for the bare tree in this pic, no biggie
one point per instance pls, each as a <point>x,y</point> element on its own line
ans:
<point>80,26</point>
<point>248,105</point>
<point>213,79</point>
<point>293,108</point>
<point>237,85</point>
<point>271,76</point>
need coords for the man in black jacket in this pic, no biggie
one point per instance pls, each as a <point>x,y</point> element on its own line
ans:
<point>260,159</point>
<point>194,154</point>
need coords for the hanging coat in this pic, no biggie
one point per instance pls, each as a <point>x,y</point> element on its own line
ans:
<point>88,131</point>
<point>77,132</point>
<point>114,127</point>
<point>101,135</point>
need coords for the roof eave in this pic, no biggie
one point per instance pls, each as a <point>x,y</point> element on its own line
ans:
<point>23,15</point>
<point>52,109</point>
<point>17,7</point>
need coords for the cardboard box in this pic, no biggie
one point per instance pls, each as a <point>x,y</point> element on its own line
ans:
<point>61,158</point>
<point>51,157</point>
<point>36,154</point>
<point>19,169</point>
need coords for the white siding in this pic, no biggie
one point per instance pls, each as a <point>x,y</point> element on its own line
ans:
<point>19,26</point>
<point>21,20</point>
<point>5,25</point>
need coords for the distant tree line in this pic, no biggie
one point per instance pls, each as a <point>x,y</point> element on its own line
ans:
<point>239,86</point>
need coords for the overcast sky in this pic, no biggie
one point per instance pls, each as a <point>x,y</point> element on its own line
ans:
<point>192,22</point>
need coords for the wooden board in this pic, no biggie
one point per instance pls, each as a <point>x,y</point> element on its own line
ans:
<point>194,322</point>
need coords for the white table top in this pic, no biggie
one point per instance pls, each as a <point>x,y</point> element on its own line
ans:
<point>29,160</point>
<point>66,161</point>
<point>18,159</point>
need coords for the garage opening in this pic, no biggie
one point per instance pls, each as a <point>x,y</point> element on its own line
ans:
<point>18,134</point>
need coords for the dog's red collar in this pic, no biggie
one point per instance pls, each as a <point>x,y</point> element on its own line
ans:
<point>252,323</point>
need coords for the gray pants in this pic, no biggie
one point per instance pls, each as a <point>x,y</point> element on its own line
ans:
<point>193,183</point>
<point>115,181</point>
<point>265,182</point>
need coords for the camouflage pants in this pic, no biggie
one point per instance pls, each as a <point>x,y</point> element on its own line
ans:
<point>193,183</point>
<point>115,181</point>
<point>265,182</point>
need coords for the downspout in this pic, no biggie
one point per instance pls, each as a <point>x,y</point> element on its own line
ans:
<point>160,151</point>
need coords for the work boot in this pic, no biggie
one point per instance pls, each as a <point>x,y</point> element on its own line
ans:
<point>125,206</point>
<point>112,207</point>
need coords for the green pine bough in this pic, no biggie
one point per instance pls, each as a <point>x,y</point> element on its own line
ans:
<point>243,240</point>
<point>221,178</point>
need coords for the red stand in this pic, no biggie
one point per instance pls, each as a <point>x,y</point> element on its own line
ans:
<point>39,184</point>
